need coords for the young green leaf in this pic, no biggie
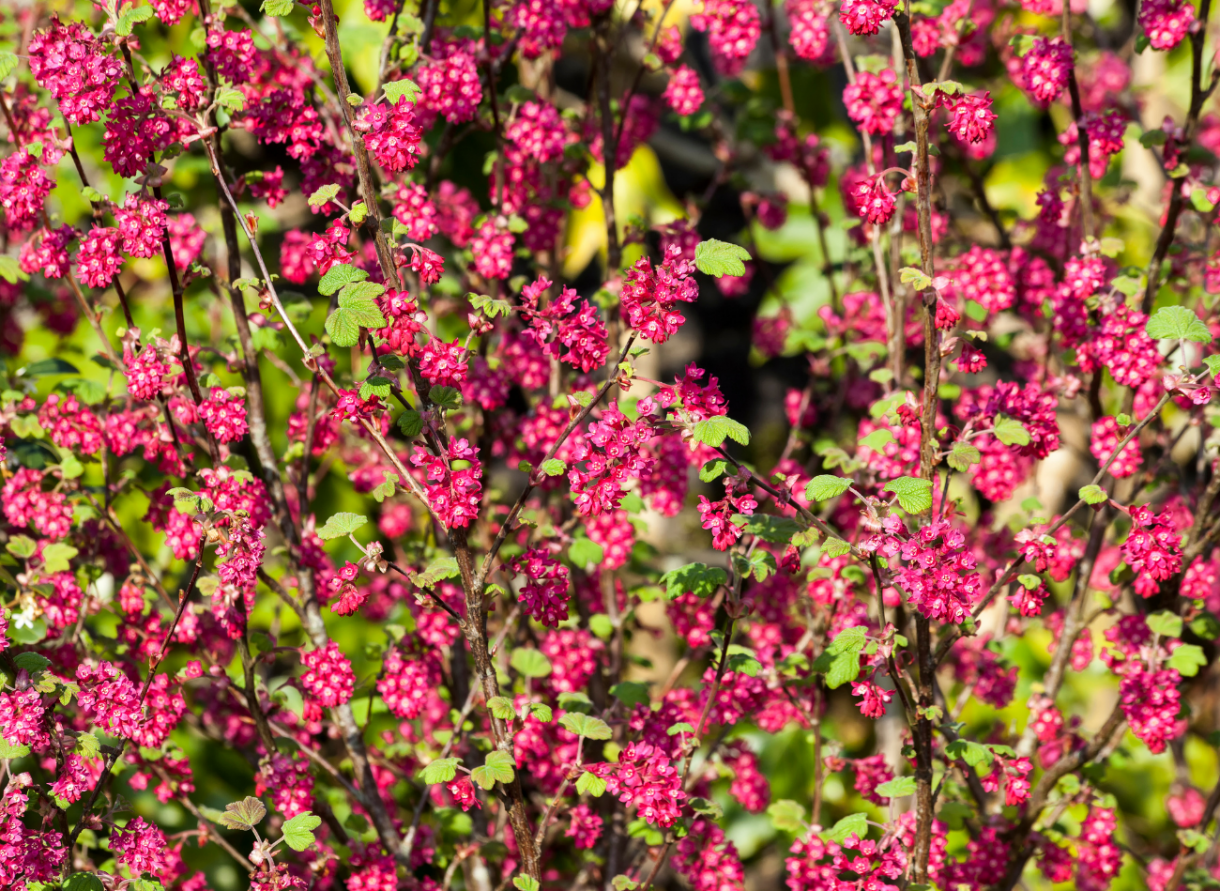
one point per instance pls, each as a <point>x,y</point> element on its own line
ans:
<point>590,784</point>
<point>298,832</point>
<point>713,431</point>
<point>914,494</point>
<point>324,196</point>
<point>339,275</point>
<point>244,814</point>
<point>341,524</point>
<point>1177,323</point>
<point>442,770</point>
<point>530,663</point>
<point>498,767</point>
<point>856,824</point>
<point>825,487</point>
<point>1186,660</point>
<point>1165,623</point>
<point>899,788</point>
<point>1010,431</point>
<point>1093,494</point>
<point>720,258</point>
<point>787,815</point>
<point>399,89</point>
<point>586,726</point>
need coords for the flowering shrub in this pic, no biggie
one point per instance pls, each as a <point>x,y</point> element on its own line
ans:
<point>452,568</point>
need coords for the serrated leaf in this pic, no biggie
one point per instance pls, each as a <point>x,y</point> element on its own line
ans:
<point>720,258</point>
<point>498,767</point>
<point>339,275</point>
<point>56,557</point>
<point>526,883</point>
<point>244,814</point>
<point>713,431</point>
<point>1177,323</point>
<point>490,306</point>
<point>437,571</point>
<point>631,693</point>
<point>230,99</point>
<point>876,440</point>
<point>8,64</point>
<point>298,832</point>
<point>31,662</point>
<point>899,788</point>
<point>9,751</point>
<point>542,712</point>
<point>446,397</point>
<point>856,824</point>
<point>530,662</point>
<point>127,21</point>
<point>11,271</point>
<point>442,770</point>
<point>916,278</point>
<point>586,726</point>
<point>398,89</point>
<point>836,547</point>
<point>411,423</point>
<point>1165,623</point>
<point>1213,364</point>
<point>1093,494</point>
<point>825,487</point>
<point>83,881</point>
<point>21,546</point>
<point>590,784</point>
<point>963,456</point>
<point>1187,660</point>
<point>554,467</point>
<point>375,386</point>
<point>680,727</point>
<point>88,746</point>
<point>48,366</point>
<point>914,494</point>
<point>694,578</point>
<point>501,707</point>
<point>277,8</point>
<point>787,815</point>
<point>387,487</point>
<point>323,196</point>
<point>585,552</point>
<point>1206,626</point>
<point>343,328</point>
<point>969,751</point>
<point>713,469</point>
<point>1010,431</point>
<point>341,524</point>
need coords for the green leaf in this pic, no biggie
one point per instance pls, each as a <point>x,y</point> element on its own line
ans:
<point>1093,494</point>
<point>31,662</point>
<point>244,814</point>
<point>526,883</point>
<point>230,99</point>
<point>719,258</point>
<point>631,693</point>
<point>530,663</point>
<point>498,767</point>
<point>375,386</point>
<point>787,815</point>
<point>411,423</point>
<point>10,271</point>
<point>914,494</point>
<point>963,456</point>
<point>586,726</point>
<point>48,366</point>
<point>88,745</point>
<point>1213,365</point>
<point>8,64</point>
<point>277,8</point>
<point>1187,660</point>
<point>1165,623</point>
<point>387,488</point>
<point>585,552</point>
<point>83,881</point>
<point>856,824</point>
<point>9,752</point>
<point>341,524</point>
<point>446,397</point>
<point>57,555</point>
<point>1010,431</point>
<point>706,808</point>
<point>397,89</point>
<point>680,727</point>
<point>916,278</point>
<point>343,328</point>
<point>501,707</point>
<point>713,469</point>
<point>1206,626</point>
<point>825,487</point>
<point>129,18</point>
<point>712,431</point>
<point>22,546</point>
<point>298,832</point>
<point>590,784</point>
<point>490,306</point>
<point>694,578</point>
<point>841,660</point>
<point>969,751</point>
<point>624,883</point>
<point>553,467</point>
<point>899,788</point>
<point>323,196</point>
<point>542,712</point>
<point>836,547</point>
<point>876,440</point>
<point>339,275</point>
<point>1177,323</point>
<point>442,770</point>
<point>437,571</point>
<point>1198,199</point>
